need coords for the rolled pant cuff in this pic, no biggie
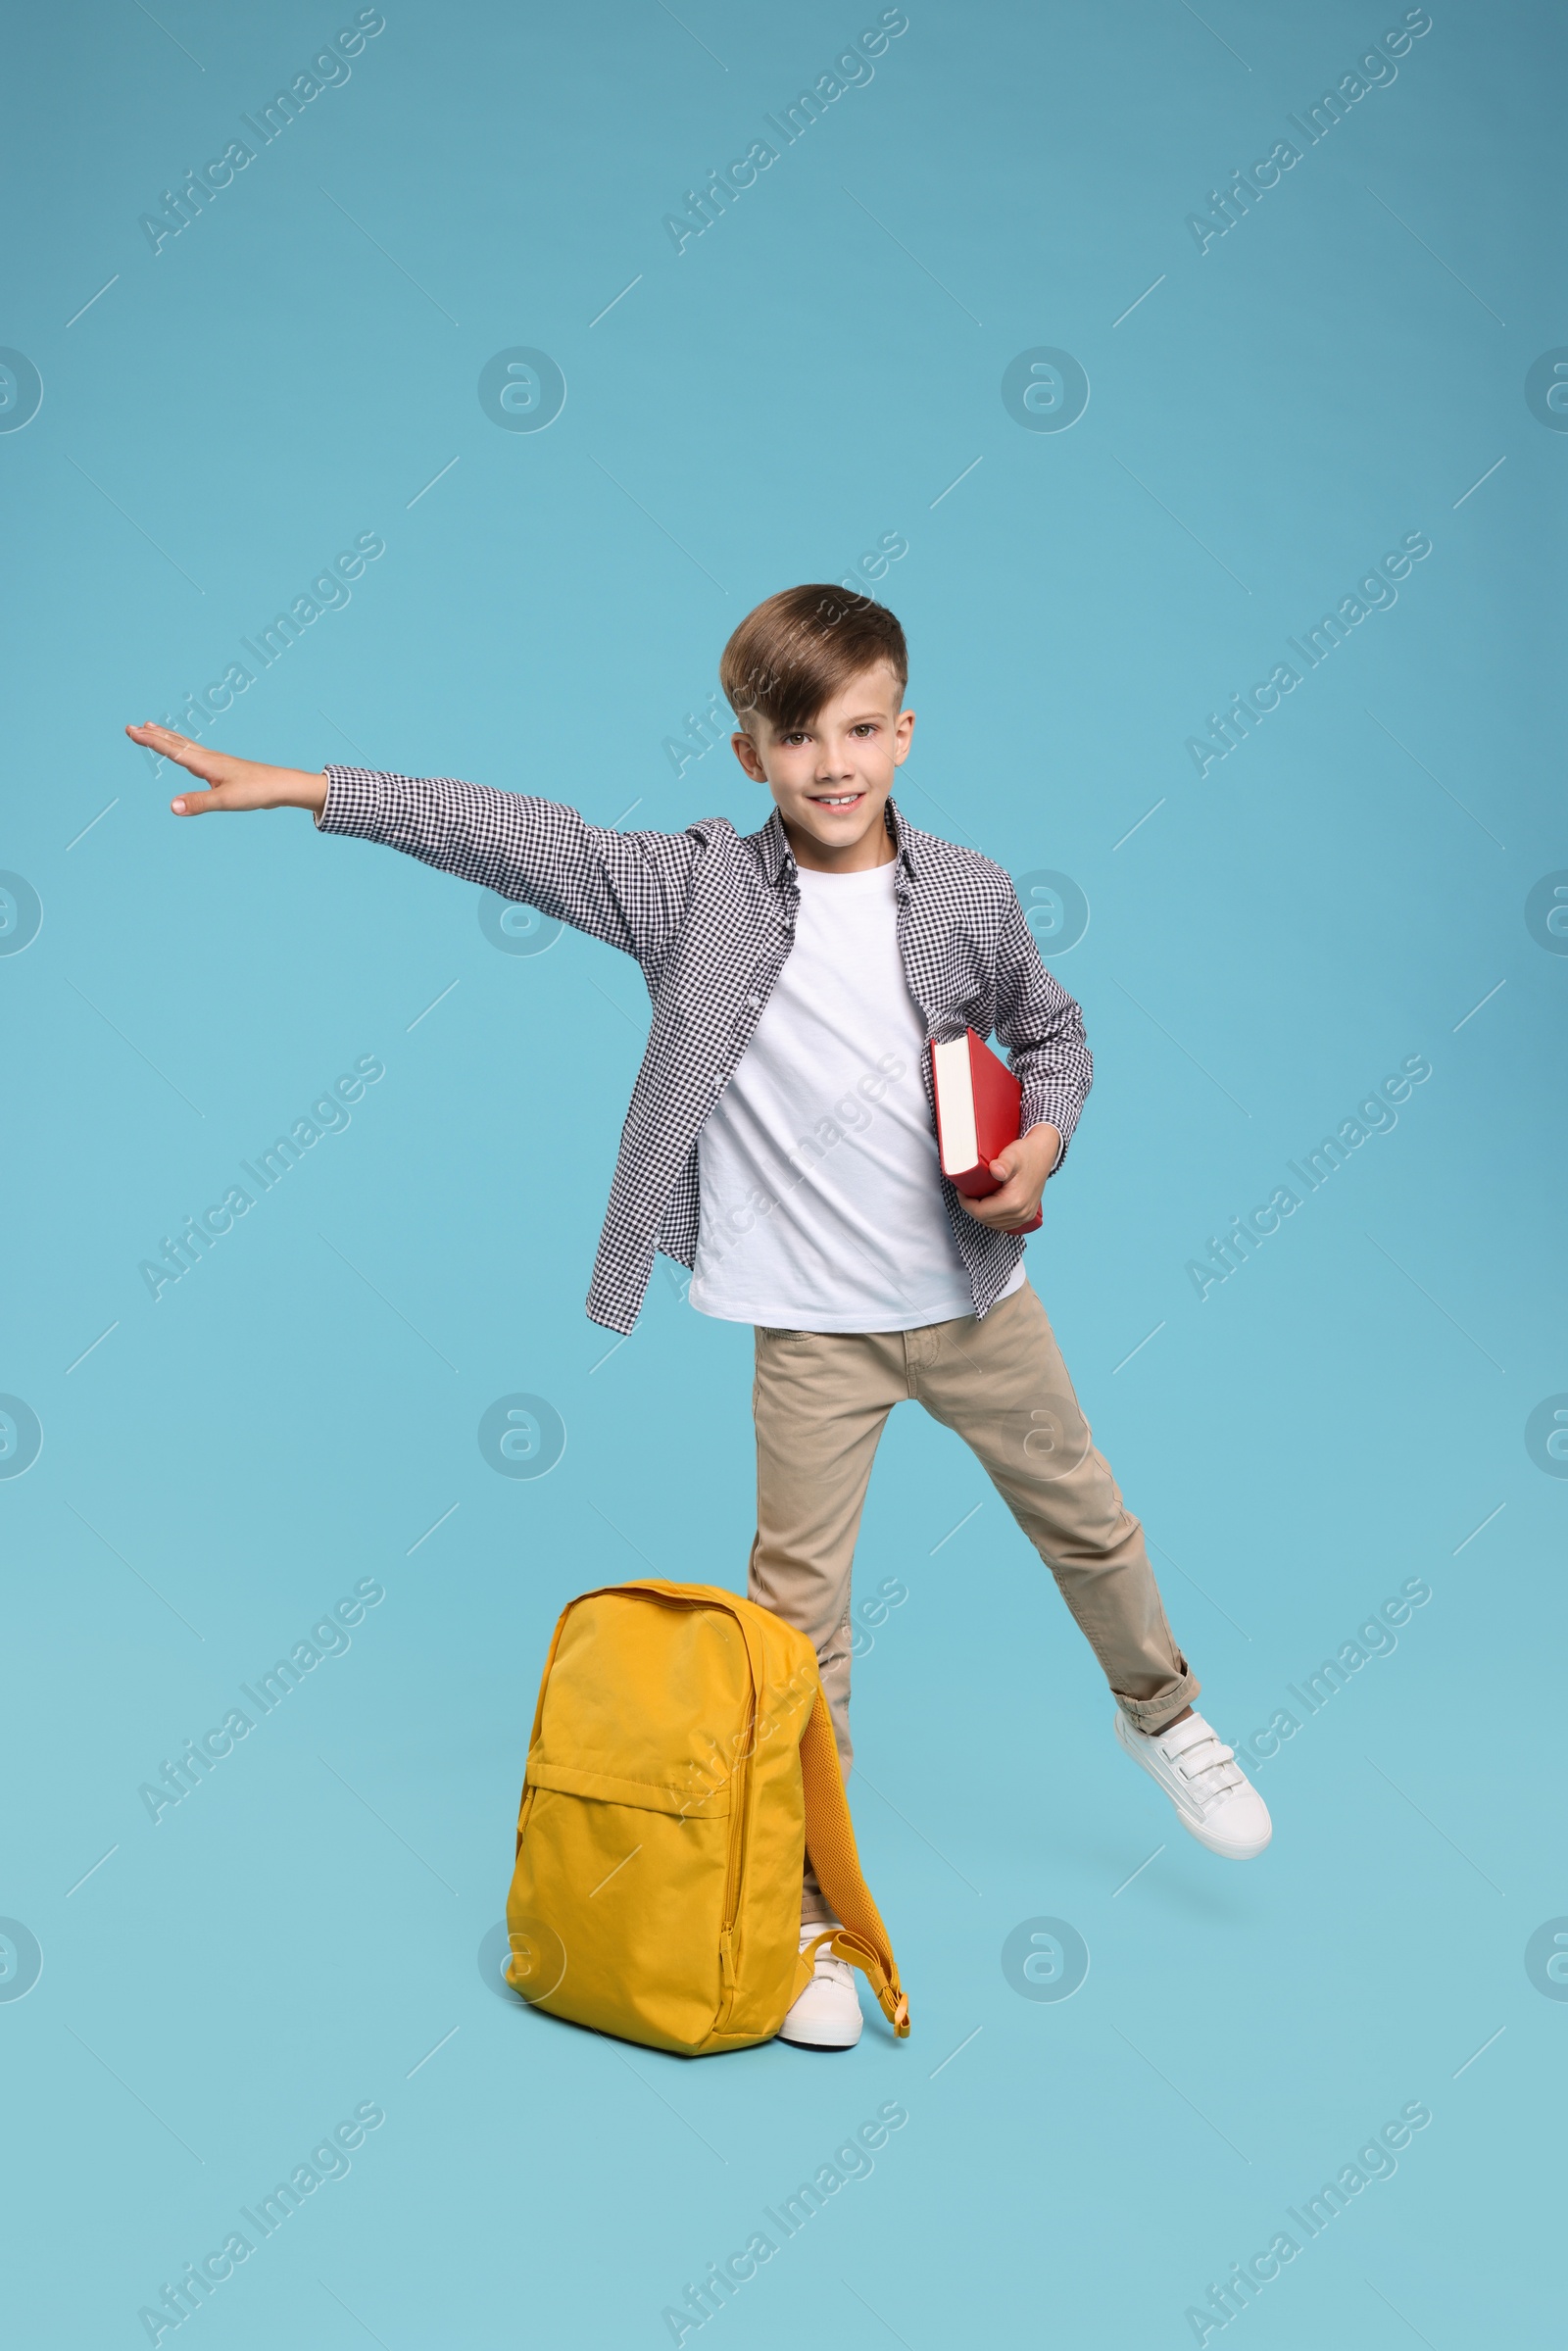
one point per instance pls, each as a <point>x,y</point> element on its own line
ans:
<point>1153,1714</point>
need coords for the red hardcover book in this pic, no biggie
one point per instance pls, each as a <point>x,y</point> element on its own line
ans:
<point>979,1109</point>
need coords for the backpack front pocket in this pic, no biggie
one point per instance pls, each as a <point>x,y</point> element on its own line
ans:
<point>627,1892</point>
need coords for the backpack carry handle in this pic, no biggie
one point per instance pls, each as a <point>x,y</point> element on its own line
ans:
<point>861,1939</point>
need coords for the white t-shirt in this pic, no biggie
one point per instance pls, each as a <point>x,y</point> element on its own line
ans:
<point>821,1197</point>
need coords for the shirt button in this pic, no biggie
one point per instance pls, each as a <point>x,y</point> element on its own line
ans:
<point>755,1001</point>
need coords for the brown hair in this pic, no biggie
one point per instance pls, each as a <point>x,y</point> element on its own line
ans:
<point>796,651</point>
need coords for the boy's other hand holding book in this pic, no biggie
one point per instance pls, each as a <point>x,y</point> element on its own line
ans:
<point>230,783</point>
<point>1021,1172</point>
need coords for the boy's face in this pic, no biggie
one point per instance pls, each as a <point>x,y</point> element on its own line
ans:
<point>831,778</point>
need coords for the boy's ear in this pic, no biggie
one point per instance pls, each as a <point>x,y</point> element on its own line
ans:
<point>903,736</point>
<point>743,746</point>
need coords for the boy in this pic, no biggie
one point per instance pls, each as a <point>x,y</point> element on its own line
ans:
<point>780,1142</point>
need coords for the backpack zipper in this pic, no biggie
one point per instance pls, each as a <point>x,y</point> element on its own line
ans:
<point>739,1794</point>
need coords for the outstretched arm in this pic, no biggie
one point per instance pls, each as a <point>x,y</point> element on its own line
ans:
<point>627,889</point>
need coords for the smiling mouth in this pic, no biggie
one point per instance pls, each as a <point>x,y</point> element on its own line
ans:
<point>838,799</point>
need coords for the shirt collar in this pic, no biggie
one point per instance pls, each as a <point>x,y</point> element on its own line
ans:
<point>777,853</point>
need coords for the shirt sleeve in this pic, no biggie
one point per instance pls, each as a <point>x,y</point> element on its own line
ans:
<point>627,889</point>
<point>1042,1029</point>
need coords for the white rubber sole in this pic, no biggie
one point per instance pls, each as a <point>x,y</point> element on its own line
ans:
<point>833,2048</point>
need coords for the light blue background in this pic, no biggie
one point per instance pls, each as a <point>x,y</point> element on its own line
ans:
<point>1341,892</point>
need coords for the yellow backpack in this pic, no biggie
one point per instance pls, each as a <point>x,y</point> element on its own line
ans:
<point>682,1761</point>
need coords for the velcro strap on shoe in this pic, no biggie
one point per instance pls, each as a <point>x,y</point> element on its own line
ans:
<point>1177,1738</point>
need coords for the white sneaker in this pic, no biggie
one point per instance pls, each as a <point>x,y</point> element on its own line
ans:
<point>1215,1799</point>
<point>827,2014</point>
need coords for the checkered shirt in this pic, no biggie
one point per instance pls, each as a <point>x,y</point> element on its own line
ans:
<point>709,914</point>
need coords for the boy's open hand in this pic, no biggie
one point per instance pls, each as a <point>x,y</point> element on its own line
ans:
<point>230,783</point>
<point>1021,1172</point>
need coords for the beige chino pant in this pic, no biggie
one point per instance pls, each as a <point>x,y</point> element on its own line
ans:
<point>821,1399</point>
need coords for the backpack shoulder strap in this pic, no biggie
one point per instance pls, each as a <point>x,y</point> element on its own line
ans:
<point>830,1842</point>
